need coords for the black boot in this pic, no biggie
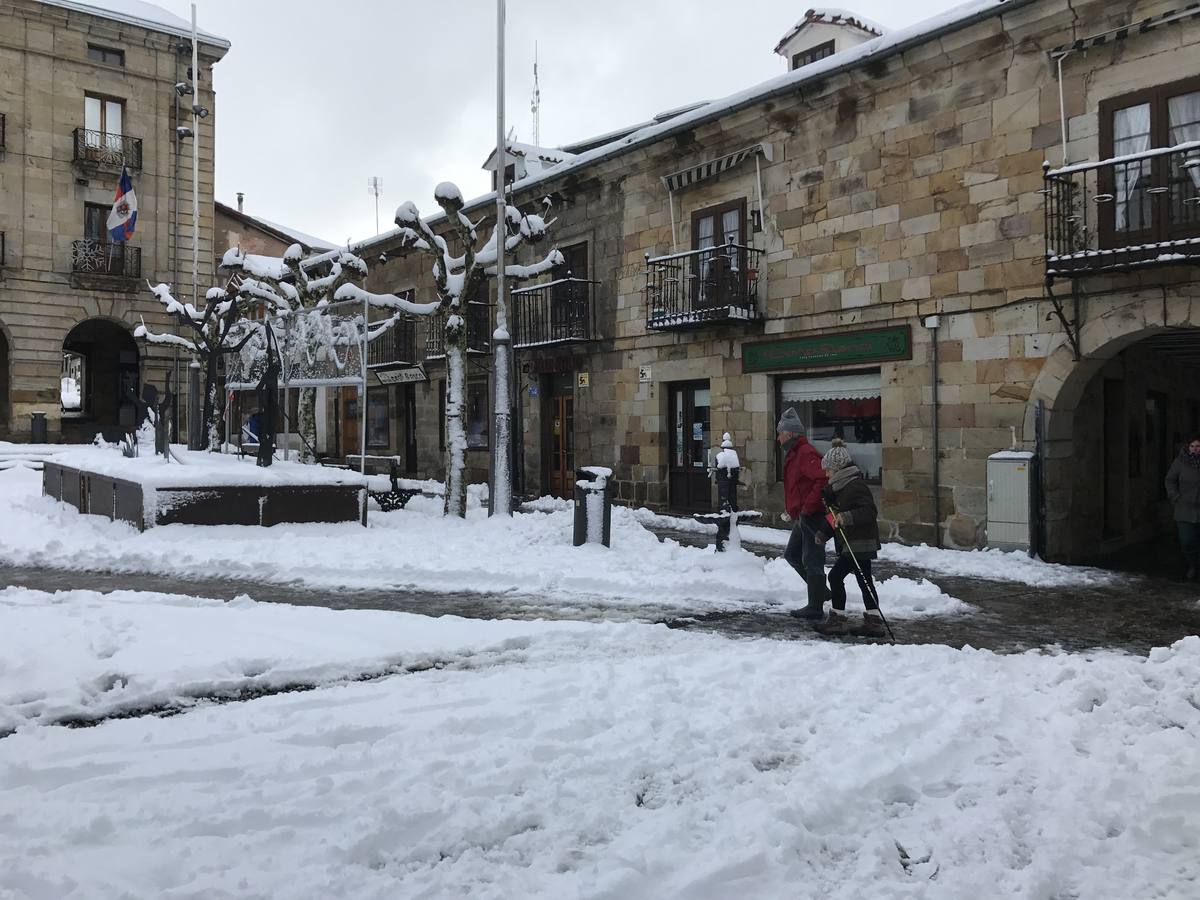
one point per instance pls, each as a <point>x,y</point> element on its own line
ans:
<point>809,612</point>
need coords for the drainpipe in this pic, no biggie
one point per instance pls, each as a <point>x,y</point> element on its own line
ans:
<point>932,323</point>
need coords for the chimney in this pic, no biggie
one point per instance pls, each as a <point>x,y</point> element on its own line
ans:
<point>241,197</point>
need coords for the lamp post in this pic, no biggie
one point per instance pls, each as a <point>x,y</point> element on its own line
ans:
<point>500,494</point>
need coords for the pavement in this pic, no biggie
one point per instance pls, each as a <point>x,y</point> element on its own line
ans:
<point>1133,613</point>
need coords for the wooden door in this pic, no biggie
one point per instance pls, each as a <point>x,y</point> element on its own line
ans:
<point>559,446</point>
<point>410,429</point>
<point>689,439</point>
<point>351,422</point>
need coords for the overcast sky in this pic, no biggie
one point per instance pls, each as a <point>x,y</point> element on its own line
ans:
<point>314,98</point>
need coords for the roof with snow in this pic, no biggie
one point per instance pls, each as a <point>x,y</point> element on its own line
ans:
<point>882,47</point>
<point>283,232</point>
<point>142,14</point>
<point>828,15</point>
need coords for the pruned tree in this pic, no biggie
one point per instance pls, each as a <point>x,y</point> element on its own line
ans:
<point>213,333</point>
<point>457,278</point>
<point>287,284</point>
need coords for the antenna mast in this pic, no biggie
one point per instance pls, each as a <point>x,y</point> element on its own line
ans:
<point>375,188</point>
<point>535,105</point>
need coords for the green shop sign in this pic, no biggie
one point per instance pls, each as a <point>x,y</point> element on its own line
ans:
<point>847,347</point>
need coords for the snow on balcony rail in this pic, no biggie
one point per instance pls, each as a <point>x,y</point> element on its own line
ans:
<point>1186,147</point>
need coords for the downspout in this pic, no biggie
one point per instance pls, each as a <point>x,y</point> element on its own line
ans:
<point>932,323</point>
<point>1062,108</point>
<point>175,252</point>
<point>674,236</point>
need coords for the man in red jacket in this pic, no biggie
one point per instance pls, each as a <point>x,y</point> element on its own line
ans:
<point>803,481</point>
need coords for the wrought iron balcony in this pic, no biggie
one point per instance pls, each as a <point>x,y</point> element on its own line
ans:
<point>557,312</point>
<point>479,333</point>
<point>395,347</point>
<point>1125,213</point>
<point>99,148</point>
<point>117,260</point>
<point>702,287</point>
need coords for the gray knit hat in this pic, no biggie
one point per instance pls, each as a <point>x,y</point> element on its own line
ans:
<point>790,422</point>
<point>837,458</point>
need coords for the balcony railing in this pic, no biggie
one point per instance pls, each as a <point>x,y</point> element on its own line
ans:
<point>557,312</point>
<point>99,148</point>
<point>396,346</point>
<point>478,316</point>
<point>1125,213</point>
<point>106,259</point>
<point>702,287</point>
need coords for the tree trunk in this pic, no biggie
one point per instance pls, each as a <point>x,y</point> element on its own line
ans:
<point>307,425</point>
<point>456,435</point>
<point>214,409</point>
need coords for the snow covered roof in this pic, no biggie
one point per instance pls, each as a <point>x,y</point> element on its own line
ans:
<point>142,14</point>
<point>551,156</point>
<point>284,232</point>
<point>829,15</point>
<point>887,45</point>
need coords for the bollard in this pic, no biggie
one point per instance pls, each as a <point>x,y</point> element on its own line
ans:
<point>726,470</point>
<point>593,506</point>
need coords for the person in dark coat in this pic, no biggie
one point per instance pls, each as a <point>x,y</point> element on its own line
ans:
<point>803,481</point>
<point>1183,489</point>
<point>857,518</point>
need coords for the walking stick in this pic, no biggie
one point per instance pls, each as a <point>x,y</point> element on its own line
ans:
<point>863,579</point>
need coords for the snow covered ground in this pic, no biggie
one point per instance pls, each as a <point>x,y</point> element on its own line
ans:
<point>997,565</point>
<point>585,760</point>
<point>529,556</point>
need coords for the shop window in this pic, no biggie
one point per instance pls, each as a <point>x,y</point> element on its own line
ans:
<point>844,406</point>
<point>379,422</point>
<point>71,382</point>
<point>476,415</point>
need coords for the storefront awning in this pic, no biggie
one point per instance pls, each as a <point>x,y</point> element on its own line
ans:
<point>688,177</point>
<point>862,386</point>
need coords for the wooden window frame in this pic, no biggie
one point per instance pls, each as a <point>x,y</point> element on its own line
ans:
<point>103,54</point>
<point>105,209</point>
<point>104,99</point>
<point>1157,98</point>
<point>562,271</point>
<point>813,54</point>
<point>717,212</point>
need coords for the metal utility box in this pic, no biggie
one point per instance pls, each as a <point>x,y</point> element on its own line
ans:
<point>1010,500</point>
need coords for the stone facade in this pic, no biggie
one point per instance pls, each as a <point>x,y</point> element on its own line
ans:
<point>906,186</point>
<point>47,65</point>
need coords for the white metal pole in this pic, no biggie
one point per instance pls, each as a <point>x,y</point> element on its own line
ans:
<point>500,494</point>
<point>362,435</point>
<point>195,162</point>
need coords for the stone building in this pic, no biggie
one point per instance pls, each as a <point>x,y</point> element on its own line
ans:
<point>962,237</point>
<point>84,93</point>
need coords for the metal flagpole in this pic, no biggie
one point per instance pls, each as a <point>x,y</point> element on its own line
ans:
<point>362,429</point>
<point>500,494</point>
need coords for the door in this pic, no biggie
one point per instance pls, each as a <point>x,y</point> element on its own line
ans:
<point>689,438</point>
<point>720,231</point>
<point>558,448</point>
<point>410,429</point>
<point>351,422</point>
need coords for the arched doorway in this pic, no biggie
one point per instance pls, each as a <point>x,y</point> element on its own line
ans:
<point>1114,421</point>
<point>5,393</point>
<point>98,381</point>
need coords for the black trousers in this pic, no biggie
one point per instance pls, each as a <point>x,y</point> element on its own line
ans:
<point>837,576</point>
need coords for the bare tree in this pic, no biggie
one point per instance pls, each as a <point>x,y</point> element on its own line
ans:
<point>456,278</point>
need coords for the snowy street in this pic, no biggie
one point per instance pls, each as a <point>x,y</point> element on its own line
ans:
<point>361,737</point>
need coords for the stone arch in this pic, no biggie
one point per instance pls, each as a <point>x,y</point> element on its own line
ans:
<point>101,369</point>
<point>1117,329</point>
<point>6,346</point>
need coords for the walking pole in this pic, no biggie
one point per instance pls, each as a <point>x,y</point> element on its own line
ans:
<point>864,579</point>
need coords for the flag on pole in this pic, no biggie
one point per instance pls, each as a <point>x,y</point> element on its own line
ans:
<point>123,215</point>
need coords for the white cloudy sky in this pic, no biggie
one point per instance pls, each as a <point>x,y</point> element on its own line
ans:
<point>316,97</point>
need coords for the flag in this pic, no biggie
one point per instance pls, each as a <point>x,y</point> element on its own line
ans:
<point>123,215</point>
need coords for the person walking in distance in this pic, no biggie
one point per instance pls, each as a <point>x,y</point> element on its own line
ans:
<point>1183,489</point>
<point>803,481</point>
<point>856,519</point>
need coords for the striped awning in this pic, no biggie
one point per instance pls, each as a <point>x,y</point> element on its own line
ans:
<point>1191,11</point>
<point>859,386</point>
<point>687,177</point>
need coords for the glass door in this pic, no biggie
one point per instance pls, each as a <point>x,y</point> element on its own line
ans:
<point>558,448</point>
<point>689,440</point>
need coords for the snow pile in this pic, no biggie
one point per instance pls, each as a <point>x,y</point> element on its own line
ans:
<point>529,557</point>
<point>636,763</point>
<point>127,650</point>
<point>998,565</point>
